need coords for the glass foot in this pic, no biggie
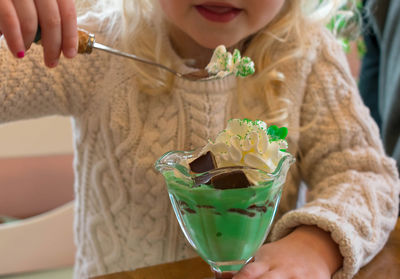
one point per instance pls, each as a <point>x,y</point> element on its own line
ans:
<point>224,275</point>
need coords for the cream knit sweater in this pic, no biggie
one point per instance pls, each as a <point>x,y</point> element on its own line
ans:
<point>123,216</point>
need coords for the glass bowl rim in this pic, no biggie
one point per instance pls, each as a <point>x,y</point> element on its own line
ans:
<point>161,166</point>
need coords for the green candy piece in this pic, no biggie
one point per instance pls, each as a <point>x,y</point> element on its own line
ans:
<point>283,131</point>
<point>277,133</point>
<point>273,130</point>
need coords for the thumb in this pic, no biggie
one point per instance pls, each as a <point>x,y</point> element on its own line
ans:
<point>251,271</point>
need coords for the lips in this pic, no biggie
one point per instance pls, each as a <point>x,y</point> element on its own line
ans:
<point>218,12</point>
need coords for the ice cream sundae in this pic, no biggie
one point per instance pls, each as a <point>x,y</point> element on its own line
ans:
<point>225,194</point>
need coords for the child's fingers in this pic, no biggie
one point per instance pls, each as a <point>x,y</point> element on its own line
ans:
<point>50,23</point>
<point>69,27</point>
<point>252,271</point>
<point>27,15</point>
<point>11,29</point>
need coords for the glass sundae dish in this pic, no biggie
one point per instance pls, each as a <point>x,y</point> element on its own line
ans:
<point>226,194</point>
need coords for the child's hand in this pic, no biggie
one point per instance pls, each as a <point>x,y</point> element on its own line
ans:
<point>19,20</point>
<point>308,252</point>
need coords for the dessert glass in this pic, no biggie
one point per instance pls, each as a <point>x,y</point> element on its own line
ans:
<point>225,227</point>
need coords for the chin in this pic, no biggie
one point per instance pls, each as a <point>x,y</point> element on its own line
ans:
<point>212,42</point>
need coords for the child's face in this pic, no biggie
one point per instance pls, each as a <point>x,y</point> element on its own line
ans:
<point>214,22</point>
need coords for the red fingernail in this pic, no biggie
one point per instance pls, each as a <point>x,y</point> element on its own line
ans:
<point>21,54</point>
<point>53,64</point>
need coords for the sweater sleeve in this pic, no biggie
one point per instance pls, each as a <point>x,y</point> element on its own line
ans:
<point>28,89</point>
<point>353,187</point>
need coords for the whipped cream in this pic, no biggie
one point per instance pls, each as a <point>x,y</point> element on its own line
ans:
<point>249,143</point>
<point>224,63</point>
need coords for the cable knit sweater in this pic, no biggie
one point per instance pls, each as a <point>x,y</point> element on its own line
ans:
<point>123,216</point>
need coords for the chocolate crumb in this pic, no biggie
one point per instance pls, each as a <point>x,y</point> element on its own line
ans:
<point>242,211</point>
<point>270,204</point>
<point>183,203</point>
<point>189,210</point>
<point>259,208</point>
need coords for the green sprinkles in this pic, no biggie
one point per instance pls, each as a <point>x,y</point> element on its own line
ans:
<point>236,56</point>
<point>274,132</point>
<point>245,67</point>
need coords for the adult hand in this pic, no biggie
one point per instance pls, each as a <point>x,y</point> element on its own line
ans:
<point>19,20</point>
<point>308,252</point>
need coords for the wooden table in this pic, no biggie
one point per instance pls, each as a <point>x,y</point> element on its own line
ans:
<point>386,265</point>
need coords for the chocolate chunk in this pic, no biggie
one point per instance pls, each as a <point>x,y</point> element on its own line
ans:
<point>204,163</point>
<point>232,180</point>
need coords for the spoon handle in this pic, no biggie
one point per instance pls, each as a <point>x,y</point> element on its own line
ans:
<point>86,40</point>
<point>87,43</point>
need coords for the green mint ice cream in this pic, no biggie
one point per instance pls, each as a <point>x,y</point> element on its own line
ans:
<point>224,225</point>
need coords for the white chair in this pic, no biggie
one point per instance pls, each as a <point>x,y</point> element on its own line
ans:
<point>38,243</point>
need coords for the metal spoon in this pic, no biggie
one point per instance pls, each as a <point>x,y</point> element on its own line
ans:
<point>87,43</point>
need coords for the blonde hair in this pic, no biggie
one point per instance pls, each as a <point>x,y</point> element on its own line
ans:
<point>284,41</point>
<point>137,26</point>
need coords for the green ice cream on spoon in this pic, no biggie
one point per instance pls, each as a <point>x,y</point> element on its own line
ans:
<point>224,63</point>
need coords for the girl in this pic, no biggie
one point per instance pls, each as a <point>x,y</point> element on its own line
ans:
<point>125,115</point>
